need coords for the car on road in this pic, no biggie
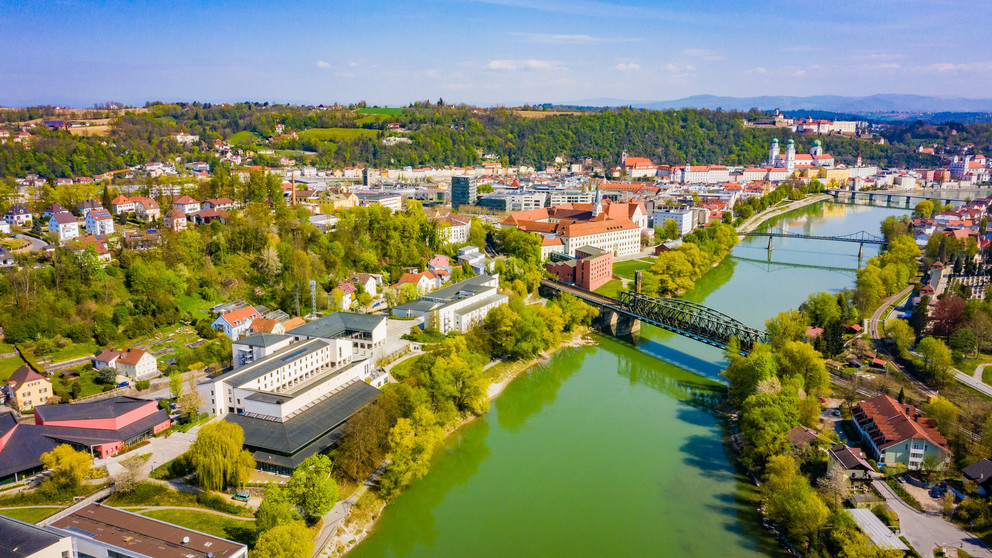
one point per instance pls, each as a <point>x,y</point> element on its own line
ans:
<point>836,412</point>
<point>240,497</point>
<point>823,400</point>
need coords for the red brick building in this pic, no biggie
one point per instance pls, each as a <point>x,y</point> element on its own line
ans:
<point>590,269</point>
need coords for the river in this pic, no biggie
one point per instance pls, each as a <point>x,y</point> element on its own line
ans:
<point>607,450</point>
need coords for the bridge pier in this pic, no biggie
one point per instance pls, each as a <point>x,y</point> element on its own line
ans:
<point>770,243</point>
<point>861,251</point>
<point>619,325</point>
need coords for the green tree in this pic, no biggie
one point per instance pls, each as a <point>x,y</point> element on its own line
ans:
<point>802,360</point>
<point>786,326</point>
<point>219,458</point>
<point>312,487</point>
<point>176,385</point>
<point>901,334</point>
<point>277,508</point>
<point>290,540</point>
<point>365,442</point>
<point>924,209</point>
<point>936,359</point>
<point>946,415</point>
<point>412,442</point>
<point>68,466</point>
<point>791,502</point>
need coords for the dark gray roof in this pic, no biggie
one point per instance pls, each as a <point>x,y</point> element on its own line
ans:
<point>469,286</point>
<point>240,376</point>
<point>23,449</point>
<point>289,437</point>
<point>23,539</point>
<point>338,324</point>
<point>979,471</point>
<point>107,408</point>
<point>64,217</point>
<point>262,339</point>
<point>418,306</point>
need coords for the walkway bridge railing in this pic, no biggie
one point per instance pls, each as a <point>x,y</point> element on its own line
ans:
<point>860,237</point>
<point>683,317</point>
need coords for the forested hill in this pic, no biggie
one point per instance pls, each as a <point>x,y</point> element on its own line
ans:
<point>439,136</point>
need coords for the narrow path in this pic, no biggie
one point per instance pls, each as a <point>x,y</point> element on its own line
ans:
<point>880,314</point>
<point>334,518</point>
<point>978,371</point>
<point>755,220</point>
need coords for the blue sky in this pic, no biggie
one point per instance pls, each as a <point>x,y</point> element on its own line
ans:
<point>489,51</point>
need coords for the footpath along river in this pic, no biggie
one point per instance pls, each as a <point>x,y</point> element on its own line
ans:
<point>608,450</point>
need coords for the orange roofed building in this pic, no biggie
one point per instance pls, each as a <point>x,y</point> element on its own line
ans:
<point>896,433</point>
<point>614,227</point>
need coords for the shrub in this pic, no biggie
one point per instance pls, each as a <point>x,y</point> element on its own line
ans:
<point>142,385</point>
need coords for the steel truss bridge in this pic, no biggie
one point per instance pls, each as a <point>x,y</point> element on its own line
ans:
<point>683,317</point>
<point>860,237</point>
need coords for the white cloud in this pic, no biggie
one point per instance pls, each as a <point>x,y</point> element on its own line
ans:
<point>758,70</point>
<point>964,67</point>
<point>881,56</point>
<point>322,64</point>
<point>513,65</point>
<point>799,73</point>
<point>628,66</point>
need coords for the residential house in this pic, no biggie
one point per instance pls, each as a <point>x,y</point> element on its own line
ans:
<point>29,388</point>
<point>236,322</point>
<point>175,219</point>
<point>980,473</point>
<point>137,364</point>
<point>267,325</point>
<point>97,242</point>
<point>186,204</point>
<point>453,228</point>
<point>6,257</point>
<point>424,282</point>
<point>4,227</point>
<point>219,203</point>
<point>52,209</point>
<point>369,282</point>
<point>207,216</point>
<point>17,215</point>
<point>146,209</point>
<point>348,294</point>
<point>106,359</point>
<point>64,225</point>
<point>86,206</point>
<point>457,307</point>
<point>99,221</point>
<point>122,204</point>
<point>851,461</point>
<point>898,433</point>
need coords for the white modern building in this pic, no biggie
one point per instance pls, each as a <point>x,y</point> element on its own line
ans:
<point>458,307</point>
<point>99,221</point>
<point>64,224</point>
<point>684,217</point>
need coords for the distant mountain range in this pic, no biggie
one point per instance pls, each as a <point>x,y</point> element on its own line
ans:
<point>833,103</point>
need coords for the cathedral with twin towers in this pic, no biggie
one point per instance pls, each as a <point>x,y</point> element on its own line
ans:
<point>790,160</point>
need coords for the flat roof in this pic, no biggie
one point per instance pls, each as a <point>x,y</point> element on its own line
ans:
<point>476,305</point>
<point>22,539</point>
<point>877,531</point>
<point>475,284</point>
<point>281,397</point>
<point>262,339</point>
<point>259,368</point>
<point>144,535</point>
<point>418,306</point>
<point>107,408</point>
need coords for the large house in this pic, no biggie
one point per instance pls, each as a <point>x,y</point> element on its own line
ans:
<point>186,204</point>
<point>236,322</point>
<point>17,215</point>
<point>175,219</point>
<point>99,221</point>
<point>590,269</point>
<point>64,225</point>
<point>897,433</point>
<point>133,363</point>
<point>29,388</point>
<point>146,209</point>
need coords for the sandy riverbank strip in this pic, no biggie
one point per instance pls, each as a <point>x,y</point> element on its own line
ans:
<point>351,533</point>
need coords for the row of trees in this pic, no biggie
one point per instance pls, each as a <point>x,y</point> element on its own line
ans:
<point>676,271</point>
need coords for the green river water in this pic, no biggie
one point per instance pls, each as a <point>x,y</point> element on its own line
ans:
<point>610,450</point>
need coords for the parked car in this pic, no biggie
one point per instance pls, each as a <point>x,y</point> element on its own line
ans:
<point>240,497</point>
<point>123,384</point>
<point>836,412</point>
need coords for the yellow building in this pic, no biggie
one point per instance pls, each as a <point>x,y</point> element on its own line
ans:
<point>30,388</point>
<point>345,200</point>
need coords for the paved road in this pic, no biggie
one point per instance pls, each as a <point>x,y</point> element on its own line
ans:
<point>926,532</point>
<point>974,381</point>
<point>36,244</point>
<point>880,315</point>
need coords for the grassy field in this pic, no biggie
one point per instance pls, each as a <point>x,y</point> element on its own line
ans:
<point>626,269</point>
<point>243,137</point>
<point>371,118</point>
<point>405,368</point>
<point>194,305</point>
<point>74,350</point>
<point>8,365</point>
<point>29,515</point>
<point>240,530</point>
<point>383,110</point>
<point>543,113</point>
<point>611,288</point>
<point>331,134</point>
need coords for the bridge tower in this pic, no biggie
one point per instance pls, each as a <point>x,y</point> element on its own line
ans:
<point>637,281</point>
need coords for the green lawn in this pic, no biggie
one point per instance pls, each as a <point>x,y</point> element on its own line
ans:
<point>29,515</point>
<point>371,118</point>
<point>195,305</point>
<point>330,134</point>
<point>243,137</point>
<point>626,269</point>
<point>74,350</point>
<point>8,365</point>
<point>405,368</point>
<point>87,380</point>
<point>611,288</point>
<point>383,110</point>
<point>240,530</point>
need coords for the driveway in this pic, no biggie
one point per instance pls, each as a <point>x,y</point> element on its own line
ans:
<point>36,243</point>
<point>163,450</point>
<point>926,532</point>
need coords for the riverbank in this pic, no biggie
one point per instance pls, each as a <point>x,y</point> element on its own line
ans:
<point>759,218</point>
<point>502,373</point>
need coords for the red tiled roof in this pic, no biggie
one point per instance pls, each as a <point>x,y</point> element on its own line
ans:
<point>895,423</point>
